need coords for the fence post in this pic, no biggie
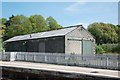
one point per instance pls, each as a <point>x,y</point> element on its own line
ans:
<point>24,57</point>
<point>13,56</point>
<point>33,57</point>
<point>57,60</point>
<point>45,58</point>
<point>107,64</point>
<point>82,56</point>
<point>2,56</point>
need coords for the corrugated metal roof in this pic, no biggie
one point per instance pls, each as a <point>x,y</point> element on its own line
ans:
<point>59,32</point>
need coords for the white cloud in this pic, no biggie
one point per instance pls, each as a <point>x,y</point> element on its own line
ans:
<point>75,6</point>
<point>85,25</point>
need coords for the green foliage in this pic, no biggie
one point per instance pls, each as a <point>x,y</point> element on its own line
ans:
<point>104,33</point>
<point>19,25</point>
<point>116,49</point>
<point>1,45</point>
<point>38,23</point>
<point>2,26</point>
<point>3,21</point>
<point>118,31</point>
<point>109,47</point>
<point>52,23</point>
<point>2,30</point>
<point>99,50</point>
<point>8,22</point>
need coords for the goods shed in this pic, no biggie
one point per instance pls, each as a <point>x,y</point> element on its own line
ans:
<point>73,39</point>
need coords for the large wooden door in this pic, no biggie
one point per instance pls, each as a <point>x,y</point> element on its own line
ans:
<point>87,46</point>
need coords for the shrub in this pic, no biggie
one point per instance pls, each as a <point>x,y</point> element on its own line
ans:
<point>99,50</point>
<point>109,47</point>
<point>116,49</point>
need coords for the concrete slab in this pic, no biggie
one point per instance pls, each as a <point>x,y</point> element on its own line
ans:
<point>64,69</point>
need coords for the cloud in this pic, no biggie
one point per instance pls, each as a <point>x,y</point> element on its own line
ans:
<point>85,25</point>
<point>75,6</point>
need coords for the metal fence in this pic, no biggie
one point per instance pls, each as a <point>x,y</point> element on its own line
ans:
<point>96,61</point>
<point>4,56</point>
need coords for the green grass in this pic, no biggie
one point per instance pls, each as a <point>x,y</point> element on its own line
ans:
<point>111,53</point>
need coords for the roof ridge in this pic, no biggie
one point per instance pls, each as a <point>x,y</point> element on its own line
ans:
<point>61,28</point>
<point>52,30</point>
<point>73,26</point>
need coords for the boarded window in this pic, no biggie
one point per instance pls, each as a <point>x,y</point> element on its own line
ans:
<point>74,46</point>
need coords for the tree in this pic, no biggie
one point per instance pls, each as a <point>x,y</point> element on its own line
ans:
<point>94,29</point>
<point>2,27</point>
<point>104,33</point>
<point>3,21</point>
<point>118,31</point>
<point>8,22</point>
<point>2,30</point>
<point>52,23</point>
<point>38,23</point>
<point>19,25</point>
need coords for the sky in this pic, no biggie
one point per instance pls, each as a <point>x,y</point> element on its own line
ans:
<point>66,13</point>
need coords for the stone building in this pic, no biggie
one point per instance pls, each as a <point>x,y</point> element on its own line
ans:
<point>73,39</point>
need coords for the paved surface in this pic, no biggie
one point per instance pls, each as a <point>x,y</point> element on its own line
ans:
<point>61,68</point>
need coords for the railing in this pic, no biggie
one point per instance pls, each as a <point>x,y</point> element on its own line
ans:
<point>97,61</point>
<point>5,56</point>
